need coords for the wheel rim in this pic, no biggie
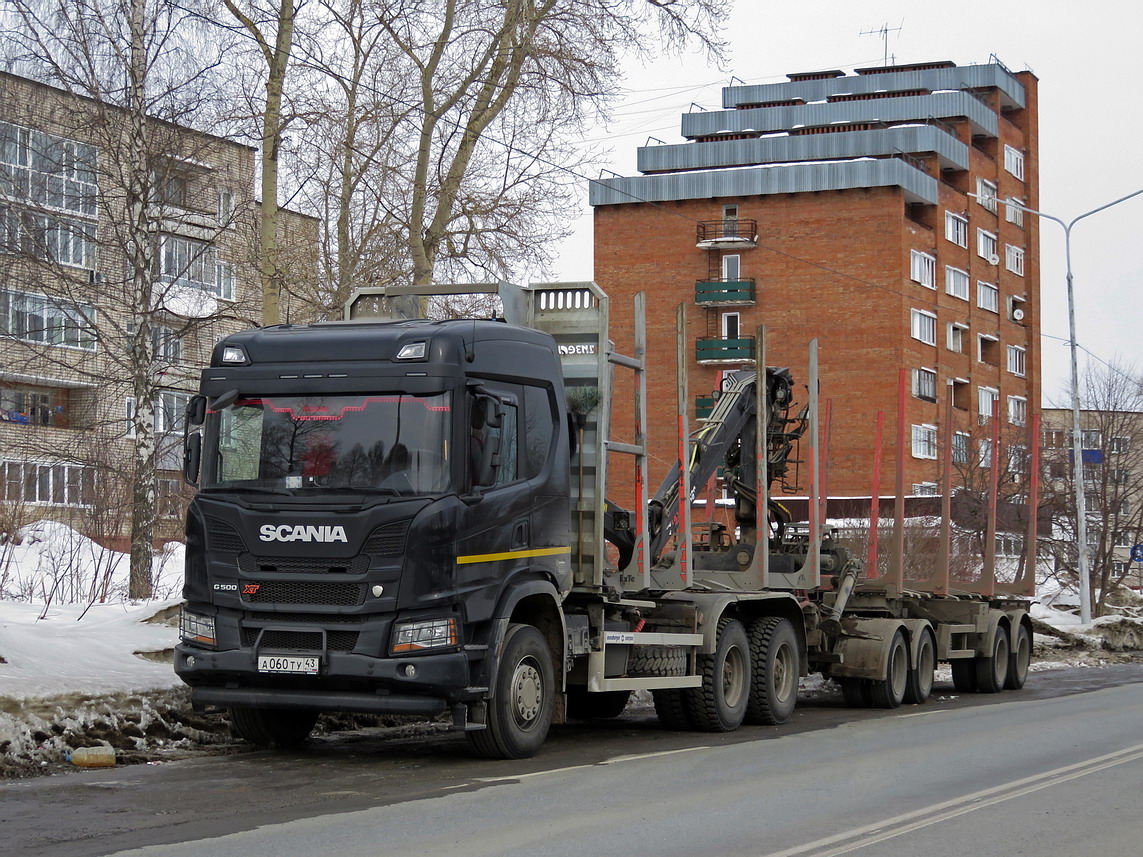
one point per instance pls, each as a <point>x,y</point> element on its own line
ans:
<point>734,678</point>
<point>1000,658</point>
<point>784,673</point>
<point>898,670</point>
<point>926,664</point>
<point>527,693</point>
<point>1023,652</point>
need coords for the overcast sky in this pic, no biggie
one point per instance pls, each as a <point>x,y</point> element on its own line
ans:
<point>1091,125</point>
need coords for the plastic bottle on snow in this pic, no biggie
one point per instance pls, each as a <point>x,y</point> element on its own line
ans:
<point>92,757</point>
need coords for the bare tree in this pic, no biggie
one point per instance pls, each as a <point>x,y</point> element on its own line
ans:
<point>1112,422</point>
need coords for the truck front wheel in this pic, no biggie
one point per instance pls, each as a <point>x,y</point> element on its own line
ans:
<point>521,712</point>
<point>272,727</point>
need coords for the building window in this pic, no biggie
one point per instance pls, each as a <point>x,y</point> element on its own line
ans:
<point>47,237</point>
<point>923,269</point>
<point>984,460</point>
<point>225,206</point>
<point>1120,475</point>
<point>1017,410</point>
<point>1016,360</point>
<point>956,336</point>
<point>960,393</point>
<point>956,282</point>
<point>986,246</point>
<point>1017,459</point>
<point>1055,439</point>
<point>730,325</point>
<point>30,405</point>
<point>129,415</point>
<point>925,384</point>
<point>170,412</point>
<point>988,349</point>
<point>987,398</point>
<point>224,281</point>
<point>1091,439</point>
<point>1014,211</point>
<point>1014,259</point>
<point>1124,539</point>
<point>923,326</point>
<point>1119,444</point>
<point>961,444</point>
<point>46,484</point>
<point>731,268</point>
<point>169,499</point>
<point>1014,162</point>
<point>987,296</point>
<point>186,262</point>
<point>166,344</point>
<point>36,318</point>
<point>986,194</point>
<point>925,489</point>
<point>924,441</point>
<point>956,229</point>
<point>49,171</point>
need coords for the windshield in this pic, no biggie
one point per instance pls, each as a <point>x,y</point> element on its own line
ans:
<point>389,443</point>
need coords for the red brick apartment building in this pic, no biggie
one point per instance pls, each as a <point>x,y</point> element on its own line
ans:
<point>866,210</point>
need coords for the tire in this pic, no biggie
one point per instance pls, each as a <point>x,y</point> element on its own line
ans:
<point>964,674</point>
<point>919,684</point>
<point>857,692</point>
<point>583,705</point>
<point>520,713</point>
<point>889,692</point>
<point>671,709</point>
<point>777,668</point>
<point>272,727</point>
<point>656,661</point>
<point>1019,659</point>
<point>992,672</point>
<point>719,704</point>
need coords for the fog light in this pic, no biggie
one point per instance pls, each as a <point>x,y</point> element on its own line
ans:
<point>190,660</point>
<point>410,671</point>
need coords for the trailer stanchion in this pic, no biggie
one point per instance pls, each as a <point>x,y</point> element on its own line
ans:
<point>941,577</point>
<point>683,536</point>
<point>897,566</point>
<point>762,454</point>
<point>872,572</point>
<point>988,573</point>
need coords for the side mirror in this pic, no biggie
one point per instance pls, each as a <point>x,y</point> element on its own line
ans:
<point>196,411</point>
<point>192,456</point>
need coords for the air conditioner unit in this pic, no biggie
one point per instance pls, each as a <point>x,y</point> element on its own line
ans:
<point>993,259</point>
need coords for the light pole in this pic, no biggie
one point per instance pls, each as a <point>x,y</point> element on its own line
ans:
<point>1077,431</point>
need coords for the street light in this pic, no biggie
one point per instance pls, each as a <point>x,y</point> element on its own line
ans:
<point>1077,432</point>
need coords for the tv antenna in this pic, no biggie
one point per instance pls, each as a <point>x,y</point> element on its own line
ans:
<point>883,31</point>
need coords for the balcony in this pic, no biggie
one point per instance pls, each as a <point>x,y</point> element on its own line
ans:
<point>727,234</point>
<point>723,292</point>
<point>724,351</point>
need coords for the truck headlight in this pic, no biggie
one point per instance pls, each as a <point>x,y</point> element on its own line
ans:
<point>197,628</point>
<point>412,637</point>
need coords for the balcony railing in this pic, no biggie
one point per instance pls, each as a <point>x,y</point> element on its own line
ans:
<point>724,350</point>
<point>723,292</point>
<point>728,233</point>
<point>703,407</point>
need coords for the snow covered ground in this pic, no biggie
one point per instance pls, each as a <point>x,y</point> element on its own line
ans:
<point>76,672</point>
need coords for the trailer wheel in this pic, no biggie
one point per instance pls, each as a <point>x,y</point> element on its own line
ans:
<point>521,712</point>
<point>992,672</point>
<point>671,708</point>
<point>964,674</point>
<point>856,692</point>
<point>272,727</point>
<point>919,684</point>
<point>1020,659</point>
<point>777,668</point>
<point>888,692</point>
<point>719,705</point>
<point>583,705</point>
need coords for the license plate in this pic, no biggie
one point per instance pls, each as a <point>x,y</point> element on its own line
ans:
<point>288,664</point>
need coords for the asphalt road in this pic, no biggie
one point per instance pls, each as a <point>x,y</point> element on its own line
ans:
<point>1051,770</point>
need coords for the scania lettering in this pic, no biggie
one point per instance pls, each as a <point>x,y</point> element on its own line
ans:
<point>404,516</point>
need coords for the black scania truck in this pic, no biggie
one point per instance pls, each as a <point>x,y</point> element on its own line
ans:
<point>407,517</point>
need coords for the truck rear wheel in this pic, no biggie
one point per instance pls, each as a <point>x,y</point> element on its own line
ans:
<point>856,692</point>
<point>888,692</point>
<point>1020,659</point>
<point>272,727</point>
<point>521,712</point>
<point>671,708</point>
<point>992,672</point>
<point>919,684</point>
<point>719,705</point>
<point>964,674</point>
<point>777,668</point>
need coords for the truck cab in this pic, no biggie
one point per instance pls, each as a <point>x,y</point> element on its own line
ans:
<point>375,501</point>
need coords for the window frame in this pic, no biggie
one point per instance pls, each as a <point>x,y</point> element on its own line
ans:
<point>915,330</point>
<point>957,276</point>
<point>924,445</point>
<point>923,269</point>
<point>985,288</point>
<point>956,229</point>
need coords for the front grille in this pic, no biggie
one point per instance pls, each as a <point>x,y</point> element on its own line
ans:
<point>388,540</point>
<point>299,641</point>
<point>254,565</point>
<point>221,536</point>
<point>323,618</point>
<point>291,592</point>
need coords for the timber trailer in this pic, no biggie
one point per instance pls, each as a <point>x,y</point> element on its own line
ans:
<point>405,516</point>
